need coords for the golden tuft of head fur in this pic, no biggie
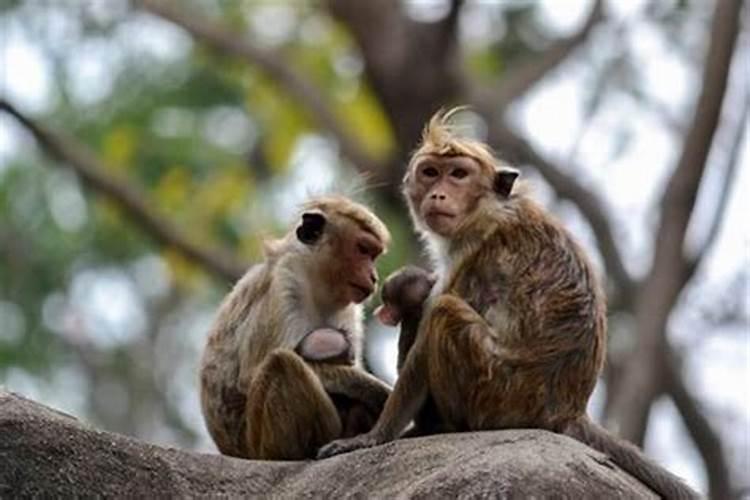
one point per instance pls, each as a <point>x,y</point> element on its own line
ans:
<point>441,138</point>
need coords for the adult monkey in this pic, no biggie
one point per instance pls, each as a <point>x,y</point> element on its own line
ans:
<point>280,374</point>
<point>514,332</point>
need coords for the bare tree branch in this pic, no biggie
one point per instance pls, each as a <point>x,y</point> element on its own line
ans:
<point>704,436</point>
<point>412,67</point>
<point>449,25</point>
<point>566,186</point>
<point>521,79</point>
<point>730,173</point>
<point>94,174</point>
<point>666,279</point>
<point>302,90</point>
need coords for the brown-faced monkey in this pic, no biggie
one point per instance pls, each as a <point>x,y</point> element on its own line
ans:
<point>280,375</point>
<point>513,334</point>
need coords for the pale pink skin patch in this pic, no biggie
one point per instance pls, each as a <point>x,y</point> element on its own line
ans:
<point>323,344</point>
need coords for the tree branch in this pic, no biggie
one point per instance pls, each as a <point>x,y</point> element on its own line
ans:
<point>591,207</point>
<point>94,174</point>
<point>516,83</point>
<point>302,90</point>
<point>704,436</point>
<point>666,279</point>
<point>730,173</point>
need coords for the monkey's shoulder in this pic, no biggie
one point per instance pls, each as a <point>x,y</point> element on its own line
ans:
<point>482,279</point>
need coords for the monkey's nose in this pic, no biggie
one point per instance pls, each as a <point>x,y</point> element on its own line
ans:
<point>438,196</point>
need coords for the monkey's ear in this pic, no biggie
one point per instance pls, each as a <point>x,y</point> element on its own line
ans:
<point>311,228</point>
<point>505,177</point>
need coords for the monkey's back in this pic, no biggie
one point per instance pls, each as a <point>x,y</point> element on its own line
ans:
<point>227,363</point>
<point>534,285</point>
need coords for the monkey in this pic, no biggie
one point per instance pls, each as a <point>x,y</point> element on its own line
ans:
<point>281,373</point>
<point>403,295</point>
<point>513,334</point>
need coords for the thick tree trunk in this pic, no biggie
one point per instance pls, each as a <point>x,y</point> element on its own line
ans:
<point>47,453</point>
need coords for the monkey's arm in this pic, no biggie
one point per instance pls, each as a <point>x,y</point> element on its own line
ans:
<point>408,396</point>
<point>406,337</point>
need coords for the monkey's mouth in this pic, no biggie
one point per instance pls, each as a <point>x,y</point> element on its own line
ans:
<point>361,292</point>
<point>435,214</point>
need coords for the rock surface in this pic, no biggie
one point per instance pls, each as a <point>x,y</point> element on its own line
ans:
<point>47,453</point>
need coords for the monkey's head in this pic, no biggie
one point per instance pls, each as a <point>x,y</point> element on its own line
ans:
<point>449,176</point>
<point>340,241</point>
<point>403,294</point>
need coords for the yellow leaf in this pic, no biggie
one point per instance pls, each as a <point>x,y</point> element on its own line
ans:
<point>119,147</point>
<point>223,193</point>
<point>183,271</point>
<point>363,116</point>
<point>282,121</point>
<point>173,188</point>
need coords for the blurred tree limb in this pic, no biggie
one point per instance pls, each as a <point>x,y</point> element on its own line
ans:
<point>670,268</point>
<point>515,84</point>
<point>730,173</point>
<point>134,203</point>
<point>308,95</point>
<point>706,439</point>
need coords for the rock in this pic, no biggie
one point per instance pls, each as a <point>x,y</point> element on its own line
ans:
<point>47,453</point>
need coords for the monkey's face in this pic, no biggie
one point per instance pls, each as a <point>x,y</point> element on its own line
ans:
<point>355,255</point>
<point>444,190</point>
<point>343,255</point>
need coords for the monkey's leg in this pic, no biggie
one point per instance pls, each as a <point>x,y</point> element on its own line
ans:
<point>462,351</point>
<point>289,413</point>
<point>353,383</point>
<point>401,406</point>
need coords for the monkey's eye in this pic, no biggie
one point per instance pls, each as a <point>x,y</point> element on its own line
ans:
<point>430,172</point>
<point>459,173</point>
<point>363,249</point>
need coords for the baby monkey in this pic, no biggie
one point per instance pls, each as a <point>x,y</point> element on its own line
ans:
<point>403,295</point>
<point>281,371</point>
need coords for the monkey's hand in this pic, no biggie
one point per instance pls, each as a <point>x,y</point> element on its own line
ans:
<point>367,440</point>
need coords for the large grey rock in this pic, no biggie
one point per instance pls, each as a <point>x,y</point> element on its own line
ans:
<point>47,453</point>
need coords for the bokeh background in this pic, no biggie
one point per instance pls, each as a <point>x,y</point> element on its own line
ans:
<point>147,148</point>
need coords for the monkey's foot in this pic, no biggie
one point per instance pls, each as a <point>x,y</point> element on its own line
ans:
<point>346,445</point>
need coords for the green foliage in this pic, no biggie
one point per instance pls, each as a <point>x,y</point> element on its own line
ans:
<point>199,136</point>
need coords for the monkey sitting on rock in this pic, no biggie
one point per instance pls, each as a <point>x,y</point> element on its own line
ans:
<point>281,371</point>
<point>513,333</point>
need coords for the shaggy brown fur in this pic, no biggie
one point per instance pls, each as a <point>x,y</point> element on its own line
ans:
<point>514,333</point>
<point>260,398</point>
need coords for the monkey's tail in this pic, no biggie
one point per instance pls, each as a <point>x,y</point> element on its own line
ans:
<point>630,459</point>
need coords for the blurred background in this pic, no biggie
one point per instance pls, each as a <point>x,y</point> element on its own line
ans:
<point>147,148</point>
